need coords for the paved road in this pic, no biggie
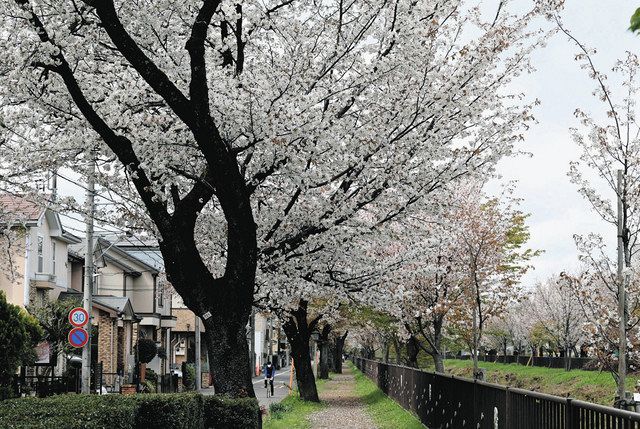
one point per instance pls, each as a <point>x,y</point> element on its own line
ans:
<point>280,388</point>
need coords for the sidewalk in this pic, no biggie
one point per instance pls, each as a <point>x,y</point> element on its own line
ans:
<point>280,388</point>
<point>345,409</point>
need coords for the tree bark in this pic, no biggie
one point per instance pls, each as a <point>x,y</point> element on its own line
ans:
<point>412,352</point>
<point>386,352</point>
<point>228,300</point>
<point>338,352</point>
<point>398,350</point>
<point>298,331</point>
<point>324,352</point>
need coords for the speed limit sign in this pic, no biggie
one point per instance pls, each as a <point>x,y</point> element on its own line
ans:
<point>78,317</point>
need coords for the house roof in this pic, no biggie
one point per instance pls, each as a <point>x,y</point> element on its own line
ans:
<point>117,305</point>
<point>110,252</point>
<point>121,304</point>
<point>20,208</point>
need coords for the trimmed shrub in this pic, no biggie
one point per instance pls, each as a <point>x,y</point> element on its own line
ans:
<point>169,411</point>
<point>143,411</point>
<point>69,411</point>
<point>221,413</point>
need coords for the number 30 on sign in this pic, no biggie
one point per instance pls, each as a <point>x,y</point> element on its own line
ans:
<point>78,317</point>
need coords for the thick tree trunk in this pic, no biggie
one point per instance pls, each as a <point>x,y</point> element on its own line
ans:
<point>223,305</point>
<point>338,352</point>
<point>398,350</point>
<point>298,331</point>
<point>332,356</point>
<point>229,359</point>
<point>324,352</point>
<point>412,352</point>
<point>386,352</point>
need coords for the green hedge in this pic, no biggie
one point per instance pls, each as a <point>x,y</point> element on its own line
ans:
<point>176,411</point>
<point>144,411</point>
<point>69,411</point>
<point>221,412</point>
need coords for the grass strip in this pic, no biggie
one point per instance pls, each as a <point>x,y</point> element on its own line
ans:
<point>292,412</point>
<point>385,412</point>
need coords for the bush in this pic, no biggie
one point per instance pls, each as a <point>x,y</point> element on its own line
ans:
<point>175,411</point>
<point>19,333</point>
<point>69,411</point>
<point>189,376</point>
<point>148,411</point>
<point>222,412</point>
<point>278,409</point>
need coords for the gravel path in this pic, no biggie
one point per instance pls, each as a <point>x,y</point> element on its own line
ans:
<point>345,409</point>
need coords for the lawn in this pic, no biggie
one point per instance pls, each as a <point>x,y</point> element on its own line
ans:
<point>386,413</point>
<point>292,412</point>
<point>592,386</point>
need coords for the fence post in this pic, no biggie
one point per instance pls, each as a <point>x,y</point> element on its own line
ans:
<point>507,408</point>
<point>475,403</point>
<point>568,415</point>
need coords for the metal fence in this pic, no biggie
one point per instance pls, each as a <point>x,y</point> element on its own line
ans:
<point>542,361</point>
<point>445,401</point>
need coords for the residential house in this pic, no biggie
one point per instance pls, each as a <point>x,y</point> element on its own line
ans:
<point>124,281</point>
<point>34,267</point>
<point>182,343</point>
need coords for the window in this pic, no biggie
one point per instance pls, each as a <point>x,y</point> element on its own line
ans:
<point>53,258</point>
<point>160,290</point>
<point>40,254</point>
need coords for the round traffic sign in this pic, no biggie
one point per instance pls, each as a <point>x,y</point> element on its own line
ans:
<point>78,317</point>
<point>78,337</point>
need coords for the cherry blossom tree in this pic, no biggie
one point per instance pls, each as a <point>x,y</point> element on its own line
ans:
<point>610,151</point>
<point>556,306</point>
<point>249,135</point>
<point>493,234</point>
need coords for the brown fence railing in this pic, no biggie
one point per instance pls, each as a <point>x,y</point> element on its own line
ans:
<point>445,401</point>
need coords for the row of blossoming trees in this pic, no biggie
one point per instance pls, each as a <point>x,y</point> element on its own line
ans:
<point>573,313</point>
<point>324,161</point>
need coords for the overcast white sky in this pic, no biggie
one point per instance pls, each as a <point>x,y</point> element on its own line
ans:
<point>557,211</point>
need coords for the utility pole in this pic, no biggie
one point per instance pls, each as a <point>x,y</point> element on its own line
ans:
<point>198,358</point>
<point>622,305</point>
<point>88,276</point>
<point>252,340</point>
<point>271,340</point>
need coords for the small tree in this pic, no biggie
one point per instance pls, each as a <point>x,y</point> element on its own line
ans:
<point>19,333</point>
<point>53,318</point>
<point>147,350</point>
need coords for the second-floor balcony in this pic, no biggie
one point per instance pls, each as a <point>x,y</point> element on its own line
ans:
<point>44,280</point>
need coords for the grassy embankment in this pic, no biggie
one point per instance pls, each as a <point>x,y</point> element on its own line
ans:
<point>592,386</point>
<point>386,413</point>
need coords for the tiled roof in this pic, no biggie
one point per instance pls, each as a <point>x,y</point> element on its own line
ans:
<point>20,208</point>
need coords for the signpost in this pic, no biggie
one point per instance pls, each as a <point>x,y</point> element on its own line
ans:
<point>78,337</point>
<point>78,317</point>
